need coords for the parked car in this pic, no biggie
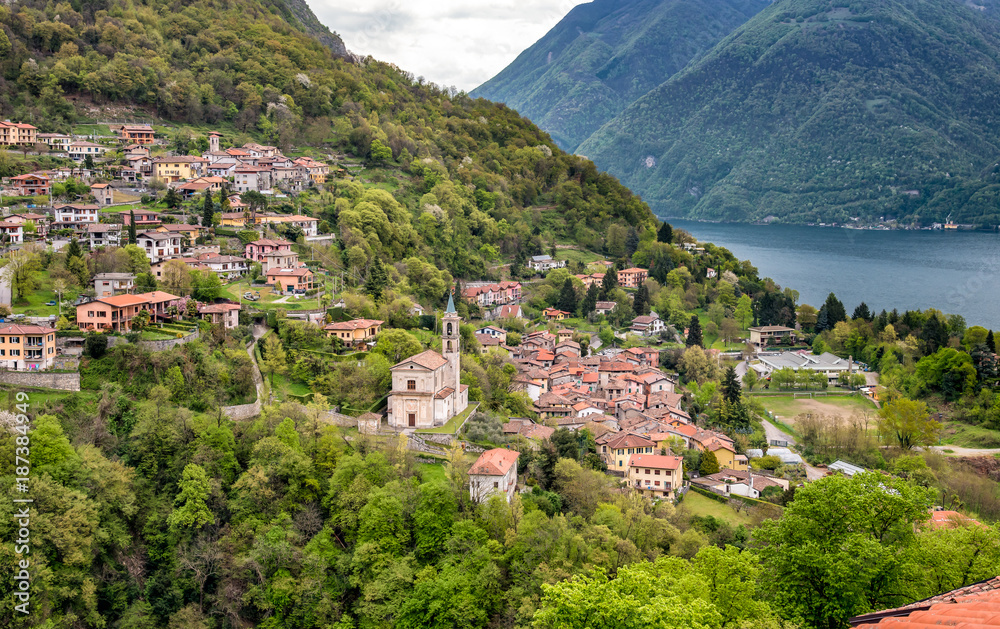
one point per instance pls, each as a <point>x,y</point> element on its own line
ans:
<point>50,303</point>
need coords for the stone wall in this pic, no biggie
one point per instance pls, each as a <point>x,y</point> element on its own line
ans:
<point>247,411</point>
<point>156,346</point>
<point>42,379</point>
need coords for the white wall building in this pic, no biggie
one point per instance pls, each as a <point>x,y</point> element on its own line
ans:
<point>495,472</point>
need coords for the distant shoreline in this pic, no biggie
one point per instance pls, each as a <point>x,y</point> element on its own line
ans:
<point>876,228</point>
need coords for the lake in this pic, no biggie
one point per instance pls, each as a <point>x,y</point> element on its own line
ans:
<point>955,272</point>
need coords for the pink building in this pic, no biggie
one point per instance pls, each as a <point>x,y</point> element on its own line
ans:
<point>255,250</point>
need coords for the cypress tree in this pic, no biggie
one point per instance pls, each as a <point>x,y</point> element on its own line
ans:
<point>208,210</point>
<point>590,300</point>
<point>377,280</point>
<point>631,242</point>
<point>609,283</point>
<point>567,297</point>
<point>990,343</point>
<point>694,333</point>
<point>666,233</point>
<point>131,227</point>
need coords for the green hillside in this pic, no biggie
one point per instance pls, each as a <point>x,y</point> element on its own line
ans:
<point>825,110</point>
<point>605,54</point>
<point>461,171</point>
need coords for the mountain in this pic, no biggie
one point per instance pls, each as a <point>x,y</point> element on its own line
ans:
<point>605,54</point>
<point>465,180</point>
<point>822,110</point>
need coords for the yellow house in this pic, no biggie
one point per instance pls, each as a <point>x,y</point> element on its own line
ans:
<point>176,168</point>
<point>655,475</point>
<point>619,450</point>
<point>27,347</point>
<point>354,332</point>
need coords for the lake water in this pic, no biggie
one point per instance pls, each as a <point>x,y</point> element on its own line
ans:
<point>955,272</point>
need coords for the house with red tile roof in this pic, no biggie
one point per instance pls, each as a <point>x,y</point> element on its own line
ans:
<point>970,607</point>
<point>493,473</point>
<point>27,347</point>
<point>655,475</point>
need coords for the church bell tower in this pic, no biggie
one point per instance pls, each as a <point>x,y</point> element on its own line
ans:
<point>450,346</point>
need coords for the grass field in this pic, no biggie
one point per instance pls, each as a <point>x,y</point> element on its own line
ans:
<point>452,426</point>
<point>788,407</point>
<point>696,504</point>
<point>431,472</point>
<point>268,300</point>
<point>34,304</point>
<point>577,255</point>
<point>966,436</point>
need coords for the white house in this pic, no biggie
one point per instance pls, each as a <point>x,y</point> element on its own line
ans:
<point>104,235</point>
<point>648,325</point>
<point>226,267</point>
<point>160,246</point>
<point>76,213</point>
<point>11,233</point>
<point>495,472</point>
<point>545,263</point>
<point>78,151</point>
<point>111,284</point>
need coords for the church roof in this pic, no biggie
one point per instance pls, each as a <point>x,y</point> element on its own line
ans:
<point>451,303</point>
<point>428,360</point>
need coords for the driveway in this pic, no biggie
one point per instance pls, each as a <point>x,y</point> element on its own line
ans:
<point>959,451</point>
<point>773,433</point>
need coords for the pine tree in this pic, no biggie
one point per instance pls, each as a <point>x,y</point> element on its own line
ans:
<point>377,280</point>
<point>731,389</point>
<point>990,343</point>
<point>934,335</point>
<point>641,303</point>
<point>862,312</point>
<point>631,242</point>
<point>835,311</point>
<point>208,210</point>
<point>666,233</point>
<point>822,320</point>
<point>694,333</point>
<point>590,300</point>
<point>567,297</point>
<point>609,283</point>
<point>132,238</point>
<point>73,250</point>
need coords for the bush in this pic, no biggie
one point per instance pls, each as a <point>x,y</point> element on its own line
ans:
<point>312,291</point>
<point>96,345</point>
<point>766,463</point>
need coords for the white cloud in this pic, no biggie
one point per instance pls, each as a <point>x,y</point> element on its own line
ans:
<point>449,42</point>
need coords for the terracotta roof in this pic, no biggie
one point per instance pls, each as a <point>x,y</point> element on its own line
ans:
<point>428,360</point>
<point>655,461</point>
<point>951,520</point>
<point>444,393</point>
<point>288,272</point>
<point>14,328</point>
<point>495,462</point>
<point>158,295</point>
<point>629,440</point>
<point>353,324</point>
<point>218,308</point>
<point>975,606</point>
<point>120,301</point>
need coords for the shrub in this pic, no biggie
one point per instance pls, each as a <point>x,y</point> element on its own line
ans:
<point>96,345</point>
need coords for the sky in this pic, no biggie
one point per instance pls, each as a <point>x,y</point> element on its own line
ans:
<point>449,42</point>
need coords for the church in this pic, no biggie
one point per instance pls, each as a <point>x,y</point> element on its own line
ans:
<point>426,388</point>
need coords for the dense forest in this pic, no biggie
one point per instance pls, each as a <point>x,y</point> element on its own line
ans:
<point>606,54</point>
<point>820,110</point>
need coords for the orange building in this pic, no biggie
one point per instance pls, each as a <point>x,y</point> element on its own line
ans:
<point>632,278</point>
<point>290,279</point>
<point>137,134</point>
<point>356,331</point>
<point>116,313</point>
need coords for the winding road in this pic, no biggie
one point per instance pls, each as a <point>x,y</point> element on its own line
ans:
<point>774,434</point>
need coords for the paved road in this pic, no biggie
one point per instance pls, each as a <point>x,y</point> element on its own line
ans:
<point>773,433</point>
<point>959,451</point>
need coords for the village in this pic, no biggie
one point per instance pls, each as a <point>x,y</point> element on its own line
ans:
<point>614,388</point>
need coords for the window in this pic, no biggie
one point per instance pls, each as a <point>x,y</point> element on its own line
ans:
<point>656,472</point>
<point>411,385</point>
<point>15,339</point>
<point>496,485</point>
<point>15,352</point>
<point>647,471</point>
<point>3,352</point>
<point>656,483</point>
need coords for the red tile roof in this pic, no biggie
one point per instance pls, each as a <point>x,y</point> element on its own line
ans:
<point>495,462</point>
<point>14,328</point>
<point>656,461</point>
<point>353,324</point>
<point>975,606</point>
<point>428,360</point>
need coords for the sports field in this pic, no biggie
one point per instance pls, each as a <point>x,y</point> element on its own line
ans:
<point>788,407</point>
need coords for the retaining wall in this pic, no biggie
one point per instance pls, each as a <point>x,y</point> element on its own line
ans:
<point>42,379</point>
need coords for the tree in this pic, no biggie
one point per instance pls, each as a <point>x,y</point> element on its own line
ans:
<point>990,342</point>
<point>934,335</point>
<point>207,210</point>
<point>744,311</point>
<point>590,300</point>
<point>729,330</point>
<point>607,336</point>
<point>840,548</point>
<point>694,333</point>
<point>273,359</point>
<point>709,463</point>
<point>609,283</point>
<point>95,345</point>
<point>380,153</point>
<point>664,594</point>
<point>750,380</point>
<point>732,392</point>
<point>908,423</point>
<point>696,366</point>
<point>396,345</point>
<point>132,237</point>
<point>172,199</point>
<point>140,321</point>
<point>88,162</point>
<point>192,511</point>
<point>21,269</point>
<point>137,260</point>
<point>73,249</point>
<point>176,277</point>
<point>665,234</point>
<point>862,312</point>
<point>641,303</point>
<point>145,283</point>
<point>835,311</point>
<point>567,297</point>
<point>377,280</point>
<point>205,286</point>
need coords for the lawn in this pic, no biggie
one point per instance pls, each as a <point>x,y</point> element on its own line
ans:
<point>285,386</point>
<point>452,426</point>
<point>788,407</point>
<point>268,299</point>
<point>34,304</point>
<point>578,255</point>
<point>92,129</point>
<point>431,472</point>
<point>696,504</point>
<point>966,436</point>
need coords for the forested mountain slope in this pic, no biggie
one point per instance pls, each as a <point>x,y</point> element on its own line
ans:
<point>825,110</point>
<point>605,54</point>
<point>467,168</point>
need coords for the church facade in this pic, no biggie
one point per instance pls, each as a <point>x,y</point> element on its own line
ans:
<point>426,388</point>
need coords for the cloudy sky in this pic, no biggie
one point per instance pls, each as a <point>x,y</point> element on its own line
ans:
<point>449,42</point>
